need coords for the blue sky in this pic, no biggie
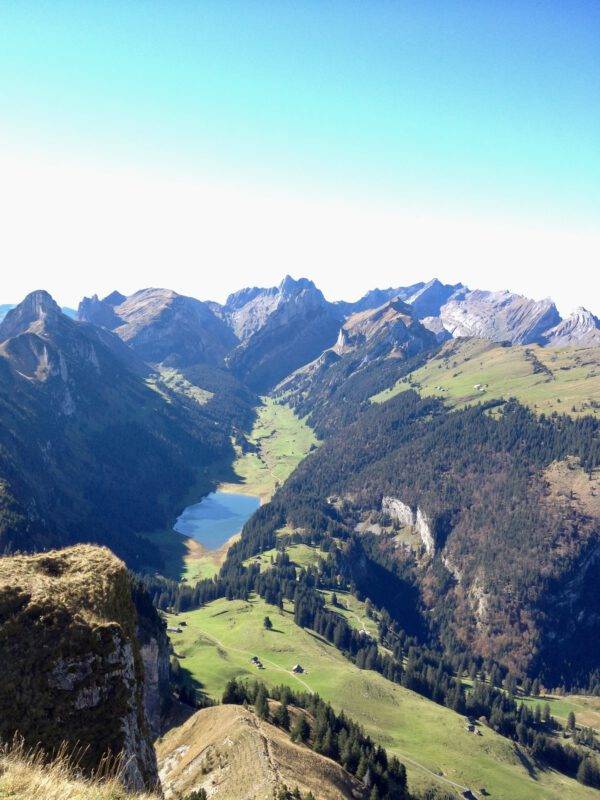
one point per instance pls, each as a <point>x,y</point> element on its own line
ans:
<point>467,113</point>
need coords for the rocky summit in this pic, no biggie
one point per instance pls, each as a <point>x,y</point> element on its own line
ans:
<point>73,670</point>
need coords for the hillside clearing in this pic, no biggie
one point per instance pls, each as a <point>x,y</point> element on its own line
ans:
<point>219,640</point>
<point>546,379</point>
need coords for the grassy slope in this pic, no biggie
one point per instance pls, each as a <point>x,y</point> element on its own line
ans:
<point>281,441</point>
<point>220,638</point>
<point>586,709</point>
<point>24,777</point>
<point>573,380</point>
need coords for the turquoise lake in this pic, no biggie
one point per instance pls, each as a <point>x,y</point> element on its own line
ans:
<point>216,518</point>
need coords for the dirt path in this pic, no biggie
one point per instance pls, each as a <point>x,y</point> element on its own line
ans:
<point>435,775</point>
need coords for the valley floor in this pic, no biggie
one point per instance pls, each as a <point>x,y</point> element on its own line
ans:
<point>279,440</point>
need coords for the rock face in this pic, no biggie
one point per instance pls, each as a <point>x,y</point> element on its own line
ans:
<point>281,329</point>
<point>72,667</point>
<point>153,641</point>
<point>499,316</point>
<point>423,526</point>
<point>398,510</point>
<point>581,329</point>
<point>405,516</point>
<point>435,325</point>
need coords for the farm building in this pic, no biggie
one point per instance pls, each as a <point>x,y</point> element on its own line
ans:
<point>297,668</point>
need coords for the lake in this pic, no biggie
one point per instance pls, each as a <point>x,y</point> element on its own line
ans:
<point>216,518</point>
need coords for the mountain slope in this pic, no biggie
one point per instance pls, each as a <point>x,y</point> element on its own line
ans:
<point>466,371</point>
<point>219,639</point>
<point>373,348</point>
<point>93,446</point>
<point>231,752</point>
<point>281,330</point>
<point>163,326</point>
<point>477,488</point>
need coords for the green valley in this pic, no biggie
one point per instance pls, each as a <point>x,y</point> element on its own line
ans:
<point>279,440</point>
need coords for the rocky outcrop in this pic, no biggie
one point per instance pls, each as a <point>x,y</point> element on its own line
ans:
<point>398,510</point>
<point>580,329</point>
<point>72,668</point>
<point>419,520</point>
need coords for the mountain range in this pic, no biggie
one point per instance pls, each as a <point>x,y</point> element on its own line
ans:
<point>450,497</point>
<point>257,327</point>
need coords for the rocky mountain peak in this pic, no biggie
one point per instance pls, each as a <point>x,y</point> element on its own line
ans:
<point>289,287</point>
<point>429,299</point>
<point>37,306</point>
<point>238,299</point>
<point>581,328</point>
<point>499,316</point>
<point>393,326</point>
<point>114,299</point>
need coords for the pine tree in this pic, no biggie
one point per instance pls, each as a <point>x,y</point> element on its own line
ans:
<point>281,718</point>
<point>261,706</point>
<point>301,729</point>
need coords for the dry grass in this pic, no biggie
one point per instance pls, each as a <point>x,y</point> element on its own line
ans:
<point>81,578</point>
<point>232,754</point>
<point>25,775</point>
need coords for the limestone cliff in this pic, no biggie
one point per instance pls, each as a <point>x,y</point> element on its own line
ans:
<point>405,516</point>
<point>72,667</point>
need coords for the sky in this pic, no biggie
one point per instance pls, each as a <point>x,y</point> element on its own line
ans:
<point>209,145</point>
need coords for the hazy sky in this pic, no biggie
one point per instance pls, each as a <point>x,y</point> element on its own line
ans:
<point>208,145</point>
